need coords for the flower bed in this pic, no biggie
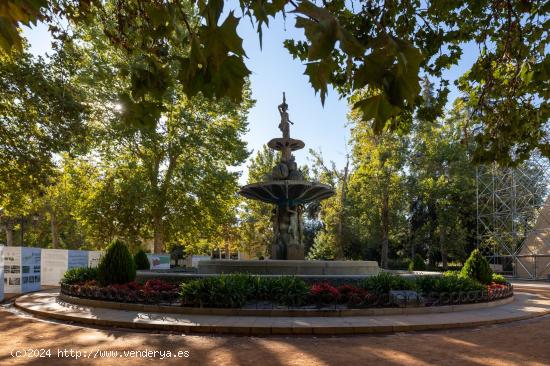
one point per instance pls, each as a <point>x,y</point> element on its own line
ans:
<point>151,292</point>
<point>238,291</point>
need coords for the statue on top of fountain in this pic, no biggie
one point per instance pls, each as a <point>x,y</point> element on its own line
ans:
<point>286,169</point>
<point>284,126</point>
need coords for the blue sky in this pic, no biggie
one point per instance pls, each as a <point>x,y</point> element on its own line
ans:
<point>274,71</point>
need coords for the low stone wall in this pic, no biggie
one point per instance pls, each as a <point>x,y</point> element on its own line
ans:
<point>289,267</point>
<point>179,277</point>
<point>283,312</point>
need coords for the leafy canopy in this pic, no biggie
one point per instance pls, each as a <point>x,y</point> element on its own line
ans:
<point>380,46</point>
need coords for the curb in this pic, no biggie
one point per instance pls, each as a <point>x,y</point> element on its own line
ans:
<point>285,328</point>
<point>283,312</point>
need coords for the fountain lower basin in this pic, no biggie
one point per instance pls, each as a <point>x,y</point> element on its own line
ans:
<point>289,267</point>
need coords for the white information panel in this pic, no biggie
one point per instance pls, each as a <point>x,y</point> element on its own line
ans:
<point>1,273</point>
<point>55,262</point>
<point>21,269</point>
<point>94,257</point>
<point>159,261</point>
<point>193,260</point>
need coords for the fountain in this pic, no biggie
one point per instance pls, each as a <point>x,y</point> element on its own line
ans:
<point>286,188</point>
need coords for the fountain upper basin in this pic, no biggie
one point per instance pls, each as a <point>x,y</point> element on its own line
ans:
<point>293,192</point>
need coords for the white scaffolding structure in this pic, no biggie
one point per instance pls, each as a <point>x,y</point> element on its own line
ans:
<point>513,217</point>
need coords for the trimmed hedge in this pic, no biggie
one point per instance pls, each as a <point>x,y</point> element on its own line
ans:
<point>79,275</point>
<point>117,265</point>
<point>141,260</point>
<point>499,279</point>
<point>477,268</point>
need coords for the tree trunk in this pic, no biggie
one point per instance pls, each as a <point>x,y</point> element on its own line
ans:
<point>158,227</point>
<point>9,234</point>
<point>22,232</point>
<point>443,248</point>
<point>340,228</point>
<point>55,230</point>
<point>227,254</point>
<point>385,216</point>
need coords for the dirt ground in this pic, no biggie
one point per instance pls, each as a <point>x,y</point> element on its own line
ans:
<point>23,339</point>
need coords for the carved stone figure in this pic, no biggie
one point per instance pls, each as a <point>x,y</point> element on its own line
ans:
<point>284,125</point>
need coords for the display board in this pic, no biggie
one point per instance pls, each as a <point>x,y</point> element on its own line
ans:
<point>1,273</point>
<point>94,257</point>
<point>55,262</point>
<point>159,261</point>
<point>193,260</point>
<point>21,269</point>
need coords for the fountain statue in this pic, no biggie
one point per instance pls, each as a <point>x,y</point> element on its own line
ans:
<point>286,188</point>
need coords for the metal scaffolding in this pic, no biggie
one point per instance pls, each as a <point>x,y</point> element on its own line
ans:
<point>513,217</point>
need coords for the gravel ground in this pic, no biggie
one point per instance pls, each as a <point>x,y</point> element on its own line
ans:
<point>518,343</point>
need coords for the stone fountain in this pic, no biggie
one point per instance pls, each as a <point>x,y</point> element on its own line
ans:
<point>286,188</point>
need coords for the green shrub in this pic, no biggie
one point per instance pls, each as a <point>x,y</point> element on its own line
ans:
<point>417,264</point>
<point>79,275</point>
<point>117,265</point>
<point>384,282</point>
<point>224,291</point>
<point>323,248</point>
<point>288,290</point>
<point>235,290</point>
<point>499,279</point>
<point>141,260</point>
<point>477,268</point>
<point>450,282</point>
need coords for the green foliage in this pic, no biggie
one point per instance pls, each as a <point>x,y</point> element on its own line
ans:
<point>141,260</point>
<point>477,268</point>
<point>417,264</point>
<point>380,46</point>
<point>447,283</point>
<point>384,282</point>
<point>225,291</point>
<point>288,290</point>
<point>497,278</point>
<point>234,291</point>
<point>79,275</point>
<point>323,247</point>
<point>117,265</point>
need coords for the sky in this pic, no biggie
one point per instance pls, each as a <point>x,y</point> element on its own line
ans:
<point>274,71</point>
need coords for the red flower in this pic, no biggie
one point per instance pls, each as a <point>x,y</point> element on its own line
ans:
<point>324,293</point>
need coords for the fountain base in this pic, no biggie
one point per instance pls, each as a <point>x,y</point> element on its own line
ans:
<point>289,267</point>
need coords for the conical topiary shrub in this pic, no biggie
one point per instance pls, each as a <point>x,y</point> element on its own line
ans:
<point>141,260</point>
<point>117,265</point>
<point>417,264</point>
<point>477,268</point>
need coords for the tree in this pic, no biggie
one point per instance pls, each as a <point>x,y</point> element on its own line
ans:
<point>381,46</point>
<point>333,210</point>
<point>442,188</point>
<point>256,225</point>
<point>376,186</point>
<point>40,116</point>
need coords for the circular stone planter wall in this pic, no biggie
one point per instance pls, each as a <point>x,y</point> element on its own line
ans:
<point>283,312</point>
